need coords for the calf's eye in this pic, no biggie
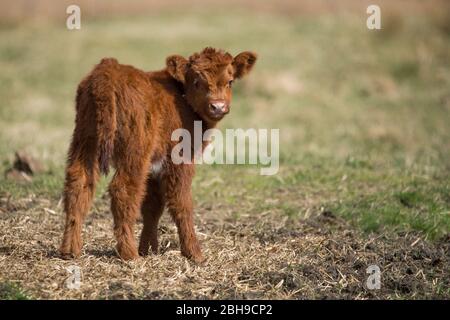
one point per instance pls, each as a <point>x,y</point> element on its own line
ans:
<point>230,83</point>
<point>196,83</point>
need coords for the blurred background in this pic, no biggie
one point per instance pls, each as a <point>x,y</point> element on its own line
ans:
<point>363,114</point>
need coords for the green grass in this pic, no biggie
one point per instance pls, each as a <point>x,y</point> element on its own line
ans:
<point>10,291</point>
<point>363,116</point>
<point>411,207</point>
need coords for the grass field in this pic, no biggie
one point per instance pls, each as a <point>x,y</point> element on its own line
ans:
<point>364,166</point>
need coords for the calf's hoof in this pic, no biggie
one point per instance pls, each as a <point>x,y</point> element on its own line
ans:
<point>127,253</point>
<point>198,259</point>
<point>68,253</point>
<point>194,257</point>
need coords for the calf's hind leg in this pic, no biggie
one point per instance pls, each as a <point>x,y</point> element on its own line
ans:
<point>127,189</point>
<point>81,177</point>
<point>152,209</point>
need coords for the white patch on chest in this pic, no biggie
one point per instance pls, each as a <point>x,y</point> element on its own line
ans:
<point>157,167</point>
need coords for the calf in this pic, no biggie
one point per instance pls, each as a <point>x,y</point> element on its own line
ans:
<point>125,118</point>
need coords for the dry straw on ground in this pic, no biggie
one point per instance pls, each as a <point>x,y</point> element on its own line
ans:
<point>269,257</point>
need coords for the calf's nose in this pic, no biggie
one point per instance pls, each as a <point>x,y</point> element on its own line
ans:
<point>219,107</point>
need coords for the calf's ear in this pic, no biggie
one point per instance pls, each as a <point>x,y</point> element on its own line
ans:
<point>177,66</point>
<point>243,63</point>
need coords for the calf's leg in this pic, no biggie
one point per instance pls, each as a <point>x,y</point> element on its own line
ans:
<point>127,190</point>
<point>179,202</point>
<point>81,177</point>
<point>152,209</point>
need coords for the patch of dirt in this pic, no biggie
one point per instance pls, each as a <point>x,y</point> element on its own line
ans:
<point>268,257</point>
<point>23,168</point>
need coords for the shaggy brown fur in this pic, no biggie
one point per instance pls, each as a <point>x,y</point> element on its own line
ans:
<point>125,118</point>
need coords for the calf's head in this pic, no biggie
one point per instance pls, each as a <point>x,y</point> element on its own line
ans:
<point>207,78</point>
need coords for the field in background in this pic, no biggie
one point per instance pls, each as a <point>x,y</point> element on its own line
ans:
<point>364,139</point>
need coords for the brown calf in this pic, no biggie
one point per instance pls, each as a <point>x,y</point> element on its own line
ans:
<point>125,118</point>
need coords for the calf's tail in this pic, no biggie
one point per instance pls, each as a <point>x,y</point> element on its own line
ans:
<point>103,92</point>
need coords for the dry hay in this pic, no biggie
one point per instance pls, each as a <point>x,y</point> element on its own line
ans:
<point>248,257</point>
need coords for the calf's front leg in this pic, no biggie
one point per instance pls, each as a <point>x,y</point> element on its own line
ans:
<point>180,206</point>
